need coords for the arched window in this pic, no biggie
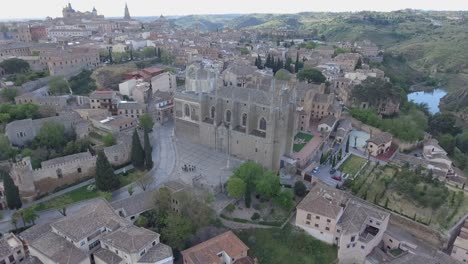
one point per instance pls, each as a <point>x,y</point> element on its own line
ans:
<point>244,119</point>
<point>262,125</point>
<point>187,110</point>
<point>212,112</point>
<point>228,116</point>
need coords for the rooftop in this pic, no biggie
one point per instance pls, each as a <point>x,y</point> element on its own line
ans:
<point>58,249</point>
<point>130,239</point>
<point>381,138</point>
<point>356,214</point>
<point>107,256</point>
<point>323,200</point>
<point>135,204</point>
<point>157,253</point>
<point>207,252</point>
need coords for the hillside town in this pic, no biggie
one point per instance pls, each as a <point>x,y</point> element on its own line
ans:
<point>131,141</point>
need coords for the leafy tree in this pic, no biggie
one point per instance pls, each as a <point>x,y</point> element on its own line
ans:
<point>236,187</point>
<point>145,181</point>
<point>130,190</point>
<point>444,123</point>
<point>300,189</point>
<point>137,154</point>
<point>447,142</point>
<point>333,161</point>
<point>146,122</point>
<point>148,52</point>
<point>108,140</point>
<point>322,158</point>
<point>340,154</point>
<point>105,177</point>
<point>311,76</point>
<point>9,94</point>
<point>29,214</point>
<point>176,231</point>
<point>249,172</point>
<point>12,66</point>
<point>82,84</point>
<point>285,199</point>
<point>6,151</point>
<point>61,203</point>
<point>268,185</point>
<point>163,201</point>
<point>287,64</point>
<point>196,209</point>
<point>462,142</point>
<point>373,90</point>
<point>11,192</point>
<point>52,135</point>
<point>58,86</point>
<point>148,152</point>
<point>248,196</point>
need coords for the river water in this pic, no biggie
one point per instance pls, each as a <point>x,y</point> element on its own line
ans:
<point>431,98</point>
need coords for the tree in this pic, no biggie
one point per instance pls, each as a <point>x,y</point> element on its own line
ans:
<point>6,151</point>
<point>340,154</point>
<point>443,123</point>
<point>259,62</point>
<point>145,181</point>
<point>146,122</point>
<point>58,86</point>
<point>163,201</point>
<point>108,140</point>
<point>296,64</point>
<point>347,146</point>
<point>130,190</point>
<point>176,231</point>
<point>333,161</point>
<point>268,185</point>
<point>52,135</point>
<point>148,152</point>
<point>248,196</point>
<point>137,154</point>
<point>11,192</point>
<point>236,187</point>
<point>358,64</point>
<point>29,214</point>
<point>105,177</point>
<point>9,94</point>
<point>311,76</point>
<point>447,142</point>
<point>61,203</point>
<point>196,209</point>
<point>13,66</point>
<point>322,158</point>
<point>462,142</point>
<point>373,90</point>
<point>285,199</point>
<point>300,189</point>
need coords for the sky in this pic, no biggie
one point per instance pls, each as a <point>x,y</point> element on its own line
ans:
<point>10,9</point>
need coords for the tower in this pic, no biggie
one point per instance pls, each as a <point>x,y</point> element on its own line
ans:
<point>127,13</point>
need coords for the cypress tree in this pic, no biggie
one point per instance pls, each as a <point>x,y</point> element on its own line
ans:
<point>256,62</point>
<point>259,62</point>
<point>105,177</point>
<point>138,155</point>
<point>11,192</point>
<point>347,146</point>
<point>159,53</point>
<point>148,153</point>
<point>296,66</point>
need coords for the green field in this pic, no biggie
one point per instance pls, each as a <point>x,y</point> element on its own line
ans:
<point>300,140</point>
<point>288,245</point>
<point>352,165</point>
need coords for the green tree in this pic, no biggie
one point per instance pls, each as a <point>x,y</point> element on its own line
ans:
<point>108,140</point>
<point>311,76</point>
<point>447,142</point>
<point>268,185</point>
<point>373,90</point>
<point>148,152</point>
<point>285,199</point>
<point>236,187</point>
<point>462,142</point>
<point>176,231</point>
<point>163,202</point>
<point>296,64</point>
<point>12,66</point>
<point>61,203</point>
<point>82,84</point>
<point>196,209</point>
<point>444,123</point>
<point>137,154</point>
<point>148,52</point>
<point>248,196</point>
<point>29,215</point>
<point>9,94</point>
<point>6,151</point>
<point>11,192</point>
<point>333,161</point>
<point>146,122</point>
<point>58,86</point>
<point>52,135</point>
<point>105,177</point>
<point>300,189</point>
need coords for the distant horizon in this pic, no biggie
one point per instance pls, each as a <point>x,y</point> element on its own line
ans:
<point>27,9</point>
<point>236,14</point>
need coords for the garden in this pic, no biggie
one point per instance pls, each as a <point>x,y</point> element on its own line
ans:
<point>352,165</point>
<point>415,194</point>
<point>300,140</point>
<point>288,245</point>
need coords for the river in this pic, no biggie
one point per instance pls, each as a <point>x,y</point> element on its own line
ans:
<point>431,98</point>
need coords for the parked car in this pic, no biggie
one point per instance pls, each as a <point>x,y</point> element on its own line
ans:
<point>315,170</point>
<point>336,178</point>
<point>332,171</point>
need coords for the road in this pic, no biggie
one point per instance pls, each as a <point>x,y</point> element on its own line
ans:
<point>164,155</point>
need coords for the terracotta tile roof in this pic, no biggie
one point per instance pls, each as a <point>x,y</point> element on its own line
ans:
<point>207,252</point>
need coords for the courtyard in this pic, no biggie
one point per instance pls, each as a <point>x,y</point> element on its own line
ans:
<point>300,140</point>
<point>352,165</point>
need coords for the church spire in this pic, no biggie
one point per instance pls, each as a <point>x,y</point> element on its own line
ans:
<point>127,13</point>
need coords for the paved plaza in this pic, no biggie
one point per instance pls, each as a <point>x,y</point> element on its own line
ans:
<point>209,166</point>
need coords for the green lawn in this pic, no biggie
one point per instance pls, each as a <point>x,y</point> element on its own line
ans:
<point>289,245</point>
<point>352,165</point>
<point>300,140</point>
<point>74,196</point>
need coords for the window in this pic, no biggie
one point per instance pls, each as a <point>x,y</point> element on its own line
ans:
<point>79,170</point>
<point>228,116</point>
<point>316,225</point>
<point>307,222</point>
<point>327,228</point>
<point>262,125</point>
<point>11,258</point>
<point>244,119</point>
<point>328,220</point>
<point>317,217</point>
<point>154,243</point>
<point>59,173</point>
<point>309,216</point>
<point>391,241</point>
<point>362,247</point>
<point>143,252</point>
<point>187,110</point>
<point>213,112</point>
<point>353,238</point>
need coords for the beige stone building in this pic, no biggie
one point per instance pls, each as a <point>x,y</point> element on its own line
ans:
<point>460,246</point>
<point>104,100</point>
<point>131,109</point>
<point>11,249</point>
<point>70,60</point>
<point>379,143</point>
<point>354,226</point>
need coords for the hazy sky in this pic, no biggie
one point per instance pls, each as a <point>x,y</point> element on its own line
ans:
<point>112,8</point>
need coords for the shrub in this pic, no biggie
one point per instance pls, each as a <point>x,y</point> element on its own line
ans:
<point>255,216</point>
<point>230,208</point>
<point>300,189</point>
